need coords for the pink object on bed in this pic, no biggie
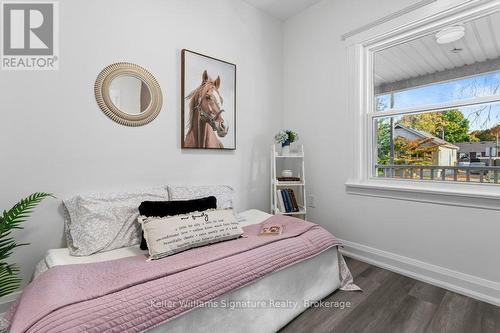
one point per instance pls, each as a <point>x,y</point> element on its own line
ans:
<point>133,294</point>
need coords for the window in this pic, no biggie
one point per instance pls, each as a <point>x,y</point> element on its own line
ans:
<point>436,106</point>
<point>426,114</point>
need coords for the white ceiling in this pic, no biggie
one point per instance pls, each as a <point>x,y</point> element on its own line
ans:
<point>424,56</point>
<point>282,9</point>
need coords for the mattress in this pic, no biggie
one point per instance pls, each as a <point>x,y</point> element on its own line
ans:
<point>264,306</point>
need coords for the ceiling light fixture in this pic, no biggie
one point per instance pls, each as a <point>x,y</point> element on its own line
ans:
<point>450,34</point>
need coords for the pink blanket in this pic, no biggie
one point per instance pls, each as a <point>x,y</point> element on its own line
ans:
<point>133,294</point>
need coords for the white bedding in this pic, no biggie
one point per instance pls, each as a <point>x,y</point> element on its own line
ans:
<point>309,280</point>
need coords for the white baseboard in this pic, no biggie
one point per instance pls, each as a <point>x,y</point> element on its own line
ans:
<point>7,301</point>
<point>465,284</point>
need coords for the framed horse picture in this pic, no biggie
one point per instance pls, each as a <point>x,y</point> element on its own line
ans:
<point>208,104</point>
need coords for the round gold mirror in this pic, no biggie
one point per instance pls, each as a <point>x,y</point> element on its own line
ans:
<point>128,94</point>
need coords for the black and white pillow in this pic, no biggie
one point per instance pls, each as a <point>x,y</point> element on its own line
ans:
<point>172,208</point>
<point>173,234</point>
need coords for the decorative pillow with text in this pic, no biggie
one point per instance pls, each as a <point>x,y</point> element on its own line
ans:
<point>171,208</point>
<point>172,234</point>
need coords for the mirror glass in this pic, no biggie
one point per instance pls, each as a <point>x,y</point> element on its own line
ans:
<point>130,94</point>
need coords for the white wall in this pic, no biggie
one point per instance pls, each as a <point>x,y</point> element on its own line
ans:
<point>464,240</point>
<point>54,138</point>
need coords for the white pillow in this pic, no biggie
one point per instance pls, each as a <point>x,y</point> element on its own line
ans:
<point>223,193</point>
<point>172,234</point>
<point>102,222</point>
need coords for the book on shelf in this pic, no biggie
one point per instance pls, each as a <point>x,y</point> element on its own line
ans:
<point>293,200</point>
<point>280,203</point>
<point>289,179</point>
<point>287,201</point>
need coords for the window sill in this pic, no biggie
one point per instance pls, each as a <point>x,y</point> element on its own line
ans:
<point>451,194</point>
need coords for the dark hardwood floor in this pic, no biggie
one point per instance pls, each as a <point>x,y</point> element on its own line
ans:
<point>392,303</point>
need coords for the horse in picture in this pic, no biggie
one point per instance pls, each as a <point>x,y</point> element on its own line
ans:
<point>206,124</point>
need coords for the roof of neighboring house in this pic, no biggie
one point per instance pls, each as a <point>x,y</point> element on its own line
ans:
<point>426,135</point>
<point>468,147</point>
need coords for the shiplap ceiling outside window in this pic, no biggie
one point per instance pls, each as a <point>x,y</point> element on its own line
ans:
<point>424,57</point>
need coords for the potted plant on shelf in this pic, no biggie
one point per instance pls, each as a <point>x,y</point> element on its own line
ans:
<point>285,138</point>
<point>10,220</point>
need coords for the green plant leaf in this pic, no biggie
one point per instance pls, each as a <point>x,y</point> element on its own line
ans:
<point>10,220</point>
<point>9,281</point>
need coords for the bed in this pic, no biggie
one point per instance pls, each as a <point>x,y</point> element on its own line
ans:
<point>253,284</point>
<point>265,305</point>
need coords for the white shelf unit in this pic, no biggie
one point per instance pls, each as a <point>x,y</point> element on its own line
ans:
<point>295,162</point>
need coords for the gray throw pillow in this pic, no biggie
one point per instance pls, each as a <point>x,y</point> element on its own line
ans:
<point>223,193</point>
<point>103,222</point>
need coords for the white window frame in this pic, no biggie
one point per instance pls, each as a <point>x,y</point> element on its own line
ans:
<point>360,50</point>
